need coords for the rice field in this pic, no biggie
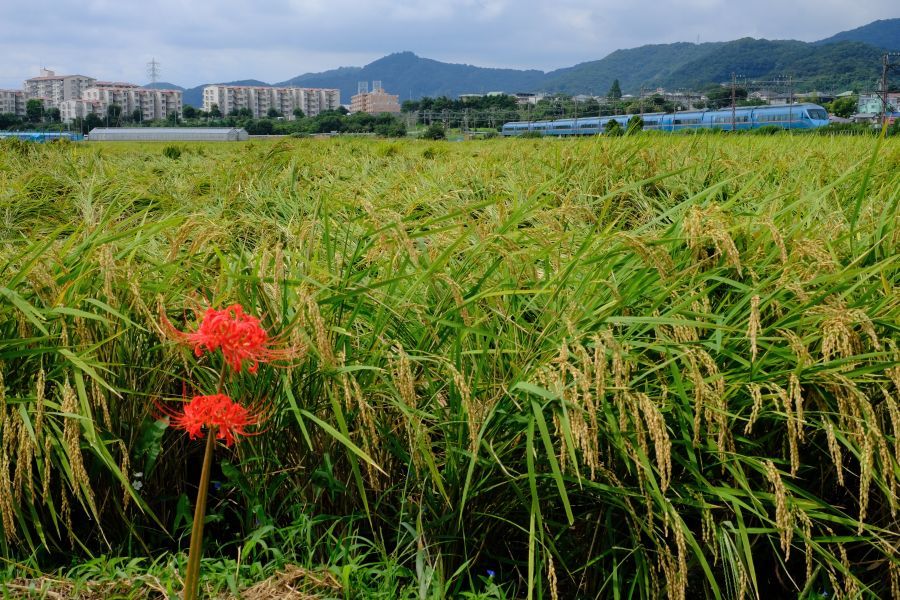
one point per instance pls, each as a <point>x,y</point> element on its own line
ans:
<point>639,367</point>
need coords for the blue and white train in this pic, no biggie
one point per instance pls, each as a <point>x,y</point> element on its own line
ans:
<point>789,116</point>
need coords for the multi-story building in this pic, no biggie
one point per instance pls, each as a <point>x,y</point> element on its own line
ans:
<point>375,102</point>
<point>260,99</point>
<point>70,110</point>
<point>12,102</point>
<point>53,88</point>
<point>152,103</point>
<point>873,103</point>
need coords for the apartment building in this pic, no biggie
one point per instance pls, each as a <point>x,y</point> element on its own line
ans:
<point>152,103</point>
<point>375,102</point>
<point>873,103</point>
<point>260,99</point>
<point>53,88</point>
<point>70,110</point>
<point>12,102</point>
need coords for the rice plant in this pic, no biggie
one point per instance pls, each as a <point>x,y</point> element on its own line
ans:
<point>637,367</point>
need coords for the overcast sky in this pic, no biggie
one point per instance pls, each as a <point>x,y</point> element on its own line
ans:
<point>200,41</point>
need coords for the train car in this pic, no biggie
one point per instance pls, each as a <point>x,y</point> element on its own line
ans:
<point>788,116</point>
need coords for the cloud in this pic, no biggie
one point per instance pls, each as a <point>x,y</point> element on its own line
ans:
<point>274,40</point>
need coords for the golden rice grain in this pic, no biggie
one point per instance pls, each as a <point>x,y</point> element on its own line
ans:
<point>753,326</point>
<point>783,519</point>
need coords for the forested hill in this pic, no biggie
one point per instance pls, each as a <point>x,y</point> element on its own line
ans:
<point>412,76</point>
<point>851,59</point>
<point>837,65</point>
<point>882,34</point>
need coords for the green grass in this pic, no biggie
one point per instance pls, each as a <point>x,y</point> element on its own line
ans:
<point>626,368</point>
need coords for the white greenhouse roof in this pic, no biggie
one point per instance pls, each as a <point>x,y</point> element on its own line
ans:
<point>167,134</point>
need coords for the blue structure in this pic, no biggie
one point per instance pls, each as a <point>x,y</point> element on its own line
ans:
<point>789,116</point>
<point>42,136</point>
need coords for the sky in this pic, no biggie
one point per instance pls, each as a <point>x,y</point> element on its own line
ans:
<point>205,41</point>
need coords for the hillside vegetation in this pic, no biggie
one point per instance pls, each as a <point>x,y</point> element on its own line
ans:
<point>850,59</point>
<point>884,33</point>
<point>638,367</point>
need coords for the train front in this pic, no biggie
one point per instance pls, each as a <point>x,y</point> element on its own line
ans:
<point>815,116</point>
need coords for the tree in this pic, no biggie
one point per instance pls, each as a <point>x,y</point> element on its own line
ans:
<point>274,113</point>
<point>298,114</point>
<point>189,112</point>
<point>34,111</point>
<point>54,115</point>
<point>113,114</point>
<point>843,107</point>
<point>92,121</point>
<point>435,132</point>
<point>588,107</point>
<point>615,91</point>
<point>8,120</point>
<point>635,124</point>
<point>260,127</point>
<point>214,111</point>
<point>137,116</point>
<point>720,96</point>
<point>613,128</point>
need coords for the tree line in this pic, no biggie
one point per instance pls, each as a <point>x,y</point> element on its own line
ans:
<point>338,121</point>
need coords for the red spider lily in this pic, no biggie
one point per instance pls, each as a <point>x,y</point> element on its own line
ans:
<point>219,412</point>
<point>238,335</point>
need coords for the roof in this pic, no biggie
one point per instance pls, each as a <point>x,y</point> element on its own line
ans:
<point>115,84</point>
<point>267,87</point>
<point>52,77</point>
<point>138,130</point>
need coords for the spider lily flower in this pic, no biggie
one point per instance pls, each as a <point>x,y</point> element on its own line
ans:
<point>218,413</point>
<point>239,336</point>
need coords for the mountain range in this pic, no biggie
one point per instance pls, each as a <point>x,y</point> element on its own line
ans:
<point>845,60</point>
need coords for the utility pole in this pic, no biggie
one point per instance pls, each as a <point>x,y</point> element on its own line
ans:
<point>886,67</point>
<point>733,101</point>
<point>790,101</point>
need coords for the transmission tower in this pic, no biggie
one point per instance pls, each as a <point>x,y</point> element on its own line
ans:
<point>153,69</point>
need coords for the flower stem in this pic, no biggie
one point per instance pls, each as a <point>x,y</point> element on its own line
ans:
<point>192,576</point>
<point>221,379</point>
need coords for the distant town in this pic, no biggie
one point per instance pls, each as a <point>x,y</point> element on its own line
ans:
<point>69,98</point>
<point>81,103</point>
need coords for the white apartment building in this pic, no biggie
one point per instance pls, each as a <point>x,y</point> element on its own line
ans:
<point>259,99</point>
<point>153,104</point>
<point>53,88</point>
<point>70,110</point>
<point>12,102</point>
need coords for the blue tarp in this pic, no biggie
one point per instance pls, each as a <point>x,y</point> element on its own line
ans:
<point>42,136</point>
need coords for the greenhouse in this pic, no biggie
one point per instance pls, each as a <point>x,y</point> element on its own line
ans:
<point>167,134</point>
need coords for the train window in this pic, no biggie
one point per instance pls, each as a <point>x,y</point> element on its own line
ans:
<point>817,113</point>
<point>687,121</point>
